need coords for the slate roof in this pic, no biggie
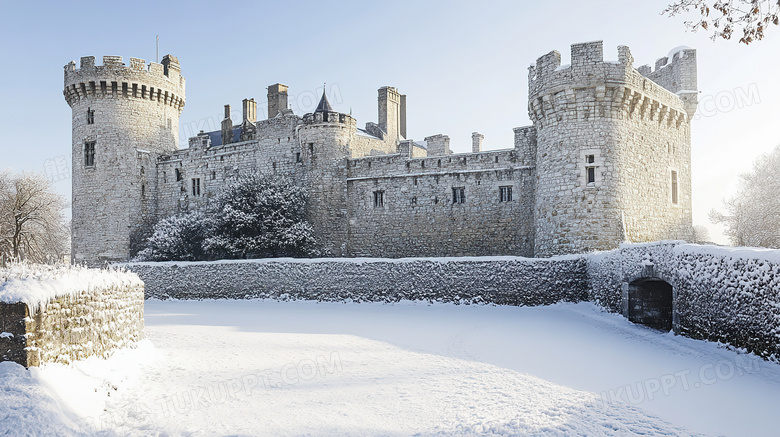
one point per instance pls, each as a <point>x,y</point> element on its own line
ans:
<point>324,105</point>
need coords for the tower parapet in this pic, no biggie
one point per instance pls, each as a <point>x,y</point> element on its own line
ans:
<point>162,82</point>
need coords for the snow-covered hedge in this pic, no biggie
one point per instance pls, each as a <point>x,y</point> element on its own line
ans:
<point>64,313</point>
<point>496,280</point>
<point>724,294</point>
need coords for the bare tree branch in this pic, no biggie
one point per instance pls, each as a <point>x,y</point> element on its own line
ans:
<point>724,17</point>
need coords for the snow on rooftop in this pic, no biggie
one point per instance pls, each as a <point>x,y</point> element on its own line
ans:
<point>36,284</point>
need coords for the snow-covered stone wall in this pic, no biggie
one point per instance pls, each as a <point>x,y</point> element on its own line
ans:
<point>62,314</point>
<point>496,280</point>
<point>724,294</point>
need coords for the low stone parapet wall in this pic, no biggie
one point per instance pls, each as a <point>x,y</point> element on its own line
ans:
<point>491,280</point>
<point>62,314</point>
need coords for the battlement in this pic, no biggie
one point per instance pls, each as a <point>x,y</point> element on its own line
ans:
<point>613,86</point>
<point>162,82</point>
<point>328,118</point>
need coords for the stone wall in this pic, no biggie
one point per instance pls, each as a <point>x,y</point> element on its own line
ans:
<point>727,295</point>
<point>419,215</point>
<point>100,315</point>
<point>490,280</point>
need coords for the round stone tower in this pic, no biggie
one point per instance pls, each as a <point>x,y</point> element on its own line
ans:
<point>613,149</point>
<point>325,137</point>
<point>123,119</point>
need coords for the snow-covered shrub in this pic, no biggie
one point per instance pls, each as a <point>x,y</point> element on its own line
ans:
<point>259,217</point>
<point>253,216</point>
<point>179,237</point>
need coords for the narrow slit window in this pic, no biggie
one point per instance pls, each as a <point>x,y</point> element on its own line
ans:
<point>90,116</point>
<point>590,169</point>
<point>196,187</point>
<point>505,194</point>
<point>674,187</point>
<point>458,195</point>
<point>379,199</point>
<point>89,153</point>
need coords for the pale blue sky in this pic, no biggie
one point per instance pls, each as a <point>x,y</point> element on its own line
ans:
<point>463,66</point>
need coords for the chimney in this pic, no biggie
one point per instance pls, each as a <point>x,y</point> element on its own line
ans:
<point>476,142</point>
<point>389,112</point>
<point>277,99</point>
<point>250,110</point>
<point>227,127</point>
<point>403,116</point>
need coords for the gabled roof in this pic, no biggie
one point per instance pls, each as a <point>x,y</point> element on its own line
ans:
<point>324,105</point>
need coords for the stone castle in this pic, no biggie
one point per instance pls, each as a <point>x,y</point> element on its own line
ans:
<point>606,160</point>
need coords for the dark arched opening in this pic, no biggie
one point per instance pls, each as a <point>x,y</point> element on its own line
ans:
<point>650,303</point>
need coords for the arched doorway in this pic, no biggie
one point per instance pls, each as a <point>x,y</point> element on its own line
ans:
<point>650,303</point>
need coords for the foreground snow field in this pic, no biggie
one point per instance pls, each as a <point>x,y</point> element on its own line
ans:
<point>304,368</point>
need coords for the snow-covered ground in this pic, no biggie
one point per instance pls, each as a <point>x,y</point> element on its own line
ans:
<point>304,368</point>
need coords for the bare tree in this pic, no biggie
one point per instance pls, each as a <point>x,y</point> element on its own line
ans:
<point>723,17</point>
<point>752,215</point>
<point>32,226</point>
<point>701,235</point>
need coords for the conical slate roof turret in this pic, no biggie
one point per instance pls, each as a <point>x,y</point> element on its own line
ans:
<point>324,105</point>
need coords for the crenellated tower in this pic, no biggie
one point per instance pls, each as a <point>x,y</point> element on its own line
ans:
<point>123,118</point>
<point>612,149</point>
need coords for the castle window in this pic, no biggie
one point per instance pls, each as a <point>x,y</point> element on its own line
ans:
<point>496,159</point>
<point>165,177</point>
<point>196,187</point>
<point>178,175</point>
<point>142,170</point>
<point>458,194</point>
<point>311,148</point>
<point>414,200</point>
<point>674,187</point>
<point>89,153</point>
<point>90,116</point>
<point>505,194</point>
<point>422,164</point>
<point>439,163</point>
<point>415,180</point>
<point>297,156</point>
<point>143,190</point>
<point>379,199</point>
<point>590,169</point>
<point>214,174</point>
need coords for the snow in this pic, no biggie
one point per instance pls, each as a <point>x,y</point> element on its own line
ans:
<point>356,260</point>
<point>303,368</point>
<point>754,253</point>
<point>36,284</point>
<point>674,52</point>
